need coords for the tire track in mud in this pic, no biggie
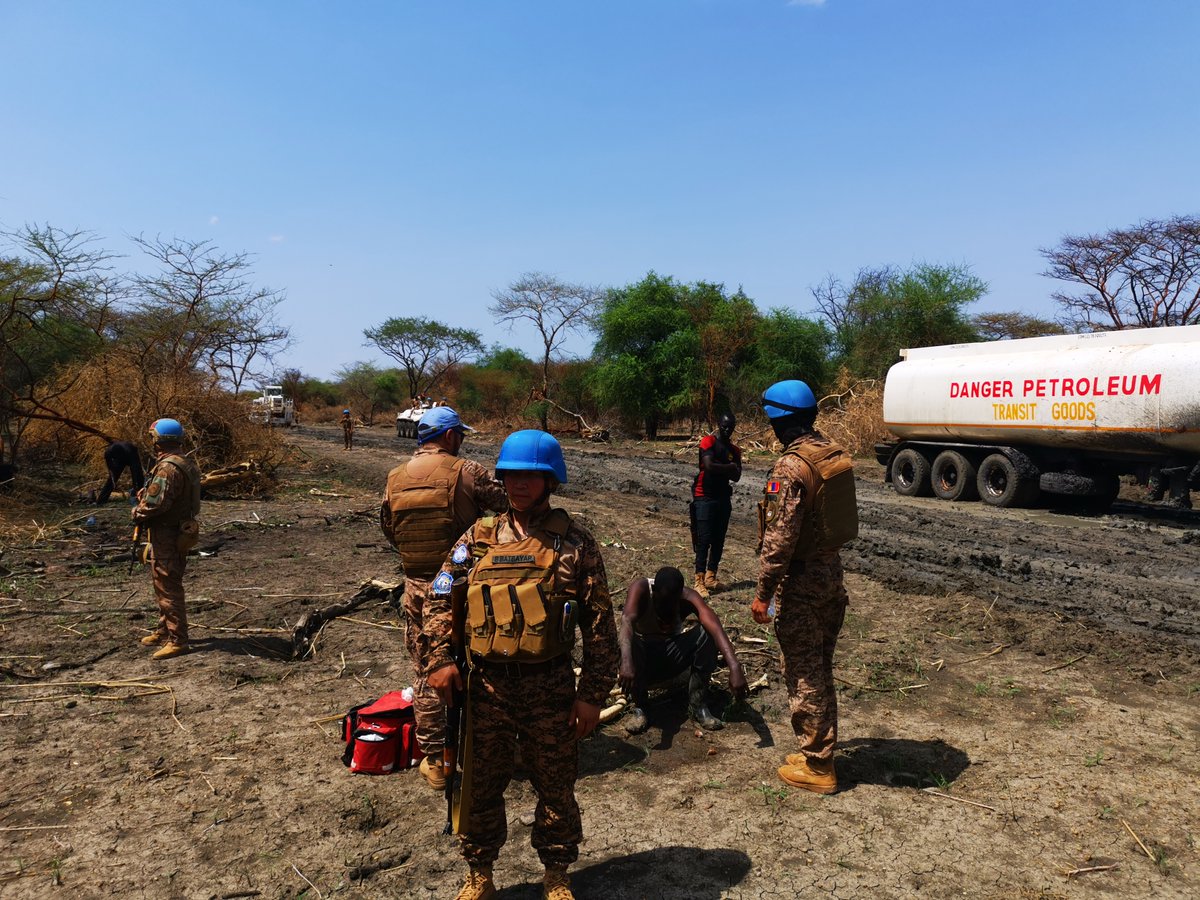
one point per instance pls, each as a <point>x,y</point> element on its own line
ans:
<point>1136,570</point>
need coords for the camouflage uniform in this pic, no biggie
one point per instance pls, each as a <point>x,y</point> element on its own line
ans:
<point>810,600</point>
<point>347,431</point>
<point>477,490</point>
<point>171,495</point>
<point>532,707</point>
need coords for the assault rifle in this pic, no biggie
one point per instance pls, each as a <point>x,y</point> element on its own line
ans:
<point>133,553</point>
<point>457,723</point>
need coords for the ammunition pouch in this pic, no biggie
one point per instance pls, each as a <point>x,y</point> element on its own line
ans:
<point>189,535</point>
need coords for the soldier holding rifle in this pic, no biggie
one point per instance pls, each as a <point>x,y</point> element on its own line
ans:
<point>531,577</point>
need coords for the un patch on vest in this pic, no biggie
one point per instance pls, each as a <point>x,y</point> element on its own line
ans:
<point>513,559</point>
<point>460,555</point>
<point>443,583</point>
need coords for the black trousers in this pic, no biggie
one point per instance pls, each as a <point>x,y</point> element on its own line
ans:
<point>119,456</point>
<point>661,659</point>
<point>712,522</point>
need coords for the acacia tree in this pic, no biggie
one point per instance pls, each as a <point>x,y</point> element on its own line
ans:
<point>58,301</point>
<point>369,388</point>
<point>555,309</point>
<point>1143,276</point>
<point>201,311</point>
<point>426,350</point>
<point>726,328</point>
<point>999,326</point>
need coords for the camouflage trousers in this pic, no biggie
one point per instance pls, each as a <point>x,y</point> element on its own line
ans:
<point>811,606</point>
<point>167,566</point>
<point>428,709</point>
<point>530,711</point>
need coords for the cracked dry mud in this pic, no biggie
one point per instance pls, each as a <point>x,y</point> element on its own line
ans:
<point>1019,699</point>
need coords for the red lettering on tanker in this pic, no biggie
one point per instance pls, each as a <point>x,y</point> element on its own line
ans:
<point>1066,386</point>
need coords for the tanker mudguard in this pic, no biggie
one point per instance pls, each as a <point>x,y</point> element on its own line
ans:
<point>516,611</point>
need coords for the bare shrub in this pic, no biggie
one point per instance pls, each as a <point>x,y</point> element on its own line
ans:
<point>852,415</point>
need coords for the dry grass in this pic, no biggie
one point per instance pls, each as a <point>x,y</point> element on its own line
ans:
<point>853,415</point>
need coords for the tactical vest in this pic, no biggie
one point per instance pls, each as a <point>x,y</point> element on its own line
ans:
<point>423,527</point>
<point>831,516</point>
<point>516,610</point>
<point>189,508</point>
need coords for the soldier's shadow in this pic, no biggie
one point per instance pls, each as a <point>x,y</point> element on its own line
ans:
<point>665,873</point>
<point>899,762</point>
<point>263,646</point>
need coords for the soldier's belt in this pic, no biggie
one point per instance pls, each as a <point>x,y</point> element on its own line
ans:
<point>518,669</point>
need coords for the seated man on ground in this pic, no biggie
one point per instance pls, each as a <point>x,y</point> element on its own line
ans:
<point>656,646</point>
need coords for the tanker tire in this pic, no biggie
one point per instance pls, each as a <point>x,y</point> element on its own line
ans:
<point>953,477</point>
<point>1000,483</point>
<point>910,474</point>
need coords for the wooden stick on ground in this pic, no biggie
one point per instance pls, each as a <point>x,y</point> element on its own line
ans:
<point>938,793</point>
<point>1069,662</point>
<point>1145,849</point>
<point>1084,871</point>
<point>309,626</point>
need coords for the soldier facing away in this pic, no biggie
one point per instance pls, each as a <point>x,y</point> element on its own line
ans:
<point>168,506</point>
<point>807,513</point>
<point>429,501</point>
<point>532,577</point>
<point>347,430</point>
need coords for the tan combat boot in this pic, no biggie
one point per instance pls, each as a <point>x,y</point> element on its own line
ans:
<point>479,884</point>
<point>699,586</point>
<point>557,884</point>
<point>157,638</point>
<point>169,649</point>
<point>432,770</point>
<point>818,777</point>
<point>710,582</point>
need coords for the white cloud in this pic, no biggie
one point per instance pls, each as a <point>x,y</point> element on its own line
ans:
<point>276,239</point>
<point>213,220</point>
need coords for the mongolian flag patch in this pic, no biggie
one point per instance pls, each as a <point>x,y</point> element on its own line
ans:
<point>772,487</point>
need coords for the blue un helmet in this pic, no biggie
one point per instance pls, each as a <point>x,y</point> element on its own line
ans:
<point>438,421</point>
<point>532,451</point>
<point>786,398</point>
<point>167,430</point>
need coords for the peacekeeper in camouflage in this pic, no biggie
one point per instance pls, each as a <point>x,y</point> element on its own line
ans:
<point>168,506</point>
<point>532,562</point>
<point>427,503</point>
<point>807,512</point>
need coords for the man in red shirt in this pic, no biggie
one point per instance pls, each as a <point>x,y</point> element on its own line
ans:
<point>720,464</point>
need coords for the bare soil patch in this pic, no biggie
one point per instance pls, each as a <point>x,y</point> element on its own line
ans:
<point>1020,700</point>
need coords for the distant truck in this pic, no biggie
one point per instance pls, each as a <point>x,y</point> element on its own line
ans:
<point>273,409</point>
<point>1006,421</point>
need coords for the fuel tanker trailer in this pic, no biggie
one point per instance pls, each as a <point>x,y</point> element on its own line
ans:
<point>1007,421</point>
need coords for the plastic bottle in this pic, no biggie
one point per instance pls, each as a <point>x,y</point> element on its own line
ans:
<point>771,608</point>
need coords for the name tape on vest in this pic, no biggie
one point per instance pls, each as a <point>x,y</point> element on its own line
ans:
<point>513,559</point>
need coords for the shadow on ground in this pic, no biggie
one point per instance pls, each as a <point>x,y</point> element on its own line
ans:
<point>898,762</point>
<point>666,873</point>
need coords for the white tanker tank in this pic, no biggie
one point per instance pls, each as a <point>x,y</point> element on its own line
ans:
<point>1064,414</point>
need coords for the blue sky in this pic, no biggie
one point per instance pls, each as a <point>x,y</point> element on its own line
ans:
<point>402,158</point>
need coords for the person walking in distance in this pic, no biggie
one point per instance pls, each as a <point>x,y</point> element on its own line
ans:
<point>656,646</point>
<point>429,501</point>
<point>712,504</point>
<point>347,430</point>
<point>168,506</point>
<point>532,577</point>
<point>807,513</point>
<point>119,456</point>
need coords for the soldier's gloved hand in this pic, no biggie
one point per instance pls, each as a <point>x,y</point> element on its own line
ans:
<point>445,681</point>
<point>585,717</point>
<point>759,609</point>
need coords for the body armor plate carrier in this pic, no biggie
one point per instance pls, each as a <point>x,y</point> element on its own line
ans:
<point>516,611</point>
<point>424,529</point>
<point>831,514</point>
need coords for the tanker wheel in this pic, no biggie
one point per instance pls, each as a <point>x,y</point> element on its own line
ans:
<point>910,473</point>
<point>1001,484</point>
<point>953,477</point>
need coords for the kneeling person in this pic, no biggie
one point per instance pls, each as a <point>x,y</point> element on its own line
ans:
<point>655,646</point>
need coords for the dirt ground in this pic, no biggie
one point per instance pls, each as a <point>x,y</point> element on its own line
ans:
<point>1019,701</point>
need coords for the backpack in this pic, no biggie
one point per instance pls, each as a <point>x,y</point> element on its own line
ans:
<point>381,736</point>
